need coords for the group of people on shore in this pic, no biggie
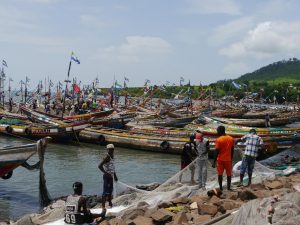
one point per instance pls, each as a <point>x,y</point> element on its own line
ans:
<point>198,148</point>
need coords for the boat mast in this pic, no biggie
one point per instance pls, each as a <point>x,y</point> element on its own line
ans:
<point>67,81</point>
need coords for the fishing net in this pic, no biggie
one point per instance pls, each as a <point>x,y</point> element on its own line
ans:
<point>11,122</point>
<point>286,211</point>
<point>182,185</point>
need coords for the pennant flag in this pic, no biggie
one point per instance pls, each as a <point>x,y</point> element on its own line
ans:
<point>27,79</point>
<point>117,85</point>
<point>237,86</point>
<point>146,82</point>
<point>75,58</point>
<point>76,88</point>
<point>4,63</point>
<point>51,83</point>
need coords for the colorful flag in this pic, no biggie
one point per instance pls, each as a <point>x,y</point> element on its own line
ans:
<point>76,88</point>
<point>237,86</point>
<point>117,85</point>
<point>4,63</point>
<point>75,58</point>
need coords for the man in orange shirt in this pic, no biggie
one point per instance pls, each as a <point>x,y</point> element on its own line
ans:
<point>223,157</point>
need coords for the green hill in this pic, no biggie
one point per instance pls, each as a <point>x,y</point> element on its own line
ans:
<point>277,72</point>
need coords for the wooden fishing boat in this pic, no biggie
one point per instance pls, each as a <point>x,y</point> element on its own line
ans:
<point>87,116</point>
<point>124,138</point>
<point>8,115</point>
<point>165,142</point>
<point>12,157</point>
<point>36,131</point>
<point>163,122</point>
<point>210,128</point>
<point>118,121</point>
<point>281,121</point>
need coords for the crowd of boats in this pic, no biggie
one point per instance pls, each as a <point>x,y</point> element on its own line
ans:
<point>152,126</point>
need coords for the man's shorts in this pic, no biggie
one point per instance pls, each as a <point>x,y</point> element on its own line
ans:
<point>108,185</point>
<point>224,165</point>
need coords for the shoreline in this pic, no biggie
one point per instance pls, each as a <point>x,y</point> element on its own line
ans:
<point>195,208</point>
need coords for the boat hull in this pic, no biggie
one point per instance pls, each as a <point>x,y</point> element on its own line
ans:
<point>11,158</point>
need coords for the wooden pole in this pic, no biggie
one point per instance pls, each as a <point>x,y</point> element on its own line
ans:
<point>67,81</point>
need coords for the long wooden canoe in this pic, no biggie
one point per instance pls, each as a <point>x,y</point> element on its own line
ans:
<point>12,157</point>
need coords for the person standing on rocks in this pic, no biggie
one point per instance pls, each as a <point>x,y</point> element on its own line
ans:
<point>187,156</point>
<point>253,142</point>
<point>224,154</point>
<point>107,167</point>
<point>202,146</point>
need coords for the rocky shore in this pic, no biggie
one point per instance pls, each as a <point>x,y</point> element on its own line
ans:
<point>276,200</point>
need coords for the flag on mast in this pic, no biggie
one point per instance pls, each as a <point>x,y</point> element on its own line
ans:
<point>4,63</point>
<point>75,58</point>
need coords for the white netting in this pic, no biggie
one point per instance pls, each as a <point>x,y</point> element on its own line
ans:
<point>181,185</point>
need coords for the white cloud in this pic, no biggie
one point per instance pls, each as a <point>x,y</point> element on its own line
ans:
<point>229,7</point>
<point>267,40</point>
<point>233,29</point>
<point>237,68</point>
<point>136,49</point>
<point>91,20</point>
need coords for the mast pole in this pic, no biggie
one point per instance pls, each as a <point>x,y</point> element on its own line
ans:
<point>67,81</point>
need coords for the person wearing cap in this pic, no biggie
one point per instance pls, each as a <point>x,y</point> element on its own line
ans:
<point>107,167</point>
<point>76,211</point>
<point>188,154</point>
<point>224,154</point>
<point>202,146</point>
<point>253,143</point>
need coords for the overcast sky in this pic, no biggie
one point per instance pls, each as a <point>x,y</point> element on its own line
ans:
<point>160,40</point>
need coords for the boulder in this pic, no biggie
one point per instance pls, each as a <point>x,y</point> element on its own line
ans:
<point>162,216</point>
<point>215,200</point>
<point>165,205</point>
<point>131,214</point>
<point>258,186</point>
<point>194,205</point>
<point>208,209</point>
<point>230,204</point>
<point>117,221</point>
<point>150,211</point>
<point>104,222</point>
<point>180,218</point>
<point>180,200</point>
<point>142,220</point>
<point>231,195</point>
<point>246,195</point>
<point>198,198</point>
<point>262,193</point>
<point>201,219</point>
<point>275,184</point>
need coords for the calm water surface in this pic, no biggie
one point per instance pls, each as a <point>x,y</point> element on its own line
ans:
<point>66,163</point>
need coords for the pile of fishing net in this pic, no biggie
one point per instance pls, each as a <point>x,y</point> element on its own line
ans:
<point>282,211</point>
<point>11,122</point>
<point>285,159</point>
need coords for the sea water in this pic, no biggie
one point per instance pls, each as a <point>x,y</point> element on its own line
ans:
<point>67,163</point>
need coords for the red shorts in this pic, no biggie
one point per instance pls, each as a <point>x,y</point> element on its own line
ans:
<point>183,165</point>
<point>221,165</point>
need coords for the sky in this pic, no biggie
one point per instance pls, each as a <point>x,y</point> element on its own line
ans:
<point>161,40</point>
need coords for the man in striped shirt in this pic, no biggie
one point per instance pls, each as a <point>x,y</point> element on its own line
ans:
<point>253,142</point>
